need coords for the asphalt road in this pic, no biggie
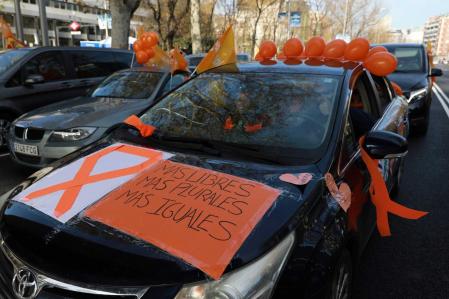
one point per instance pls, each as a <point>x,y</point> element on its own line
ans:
<point>414,261</point>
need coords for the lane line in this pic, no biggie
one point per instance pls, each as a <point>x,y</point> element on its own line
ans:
<point>442,102</point>
<point>442,93</point>
<point>4,155</point>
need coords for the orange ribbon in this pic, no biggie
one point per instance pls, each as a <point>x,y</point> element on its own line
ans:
<point>73,187</point>
<point>253,128</point>
<point>144,129</point>
<point>381,198</point>
<point>228,123</point>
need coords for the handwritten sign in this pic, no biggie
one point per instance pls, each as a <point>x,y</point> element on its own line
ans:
<point>198,215</point>
<point>67,191</point>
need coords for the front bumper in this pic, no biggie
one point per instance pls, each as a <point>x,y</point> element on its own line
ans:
<point>48,152</point>
<point>51,288</point>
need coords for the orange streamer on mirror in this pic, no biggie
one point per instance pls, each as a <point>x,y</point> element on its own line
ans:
<point>381,198</point>
<point>198,215</point>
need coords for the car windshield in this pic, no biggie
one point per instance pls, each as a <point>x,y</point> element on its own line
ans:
<point>129,85</point>
<point>9,57</point>
<point>410,59</point>
<point>273,111</point>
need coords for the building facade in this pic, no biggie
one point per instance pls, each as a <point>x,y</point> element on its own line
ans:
<point>59,16</point>
<point>436,33</point>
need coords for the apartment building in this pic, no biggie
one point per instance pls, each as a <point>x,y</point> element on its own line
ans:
<point>436,32</point>
<point>60,14</point>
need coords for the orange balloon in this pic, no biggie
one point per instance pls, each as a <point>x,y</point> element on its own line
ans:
<point>376,49</point>
<point>357,49</point>
<point>142,57</point>
<point>137,46</point>
<point>258,57</point>
<point>315,46</point>
<point>154,36</point>
<point>148,42</point>
<point>335,49</point>
<point>150,52</point>
<point>381,63</point>
<point>397,88</point>
<point>267,49</point>
<point>293,48</point>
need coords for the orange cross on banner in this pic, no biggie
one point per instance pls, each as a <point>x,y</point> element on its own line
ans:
<point>223,52</point>
<point>381,198</point>
<point>70,189</point>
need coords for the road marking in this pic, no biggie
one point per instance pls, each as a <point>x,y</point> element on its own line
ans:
<point>4,155</point>
<point>441,97</point>
<point>442,93</point>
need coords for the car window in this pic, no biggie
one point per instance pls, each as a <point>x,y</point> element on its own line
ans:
<point>174,82</point>
<point>266,110</point>
<point>123,61</point>
<point>349,145</point>
<point>90,64</point>
<point>383,91</point>
<point>410,59</point>
<point>128,85</point>
<point>49,65</point>
<point>363,112</point>
<point>9,57</point>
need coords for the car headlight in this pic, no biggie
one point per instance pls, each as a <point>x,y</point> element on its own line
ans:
<point>417,95</point>
<point>73,134</point>
<point>255,280</point>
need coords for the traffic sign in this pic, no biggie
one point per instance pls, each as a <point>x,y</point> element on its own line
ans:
<point>74,26</point>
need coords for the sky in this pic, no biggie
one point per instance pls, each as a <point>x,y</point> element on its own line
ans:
<point>414,13</point>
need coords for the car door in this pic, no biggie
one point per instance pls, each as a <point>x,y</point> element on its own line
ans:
<point>51,66</point>
<point>394,119</point>
<point>90,67</point>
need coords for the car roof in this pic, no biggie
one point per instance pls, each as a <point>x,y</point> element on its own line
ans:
<point>89,49</point>
<point>305,67</point>
<point>148,69</point>
<point>403,45</point>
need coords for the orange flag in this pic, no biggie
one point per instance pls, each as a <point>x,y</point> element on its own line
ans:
<point>223,52</point>
<point>11,40</point>
<point>177,61</point>
<point>381,198</point>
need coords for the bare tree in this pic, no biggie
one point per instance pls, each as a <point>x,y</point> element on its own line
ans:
<point>319,11</point>
<point>195,29</point>
<point>170,18</point>
<point>260,7</point>
<point>122,11</point>
<point>355,17</point>
<point>207,25</point>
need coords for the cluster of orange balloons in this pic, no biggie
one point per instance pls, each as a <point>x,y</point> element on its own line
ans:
<point>377,59</point>
<point>144,46</point>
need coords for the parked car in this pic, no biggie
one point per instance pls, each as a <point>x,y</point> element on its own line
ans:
<point>34,77</point>
<point>195,59</point>
<point>414,75</point>
<point>252,123</point>
<point>48,133</point>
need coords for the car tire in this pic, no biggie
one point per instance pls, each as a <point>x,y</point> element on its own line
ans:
<point>340,285</point>
<point>5,121</point>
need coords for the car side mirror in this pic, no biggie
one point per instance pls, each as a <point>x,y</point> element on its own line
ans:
<point>435,72</point>
<point>385,145</point>
<point>34,79</point>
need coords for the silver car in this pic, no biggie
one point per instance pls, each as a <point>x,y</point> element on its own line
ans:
<point>46,134</point>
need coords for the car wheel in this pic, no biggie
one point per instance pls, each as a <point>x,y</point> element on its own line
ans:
<point>341,283</point>
<point>5,122</point>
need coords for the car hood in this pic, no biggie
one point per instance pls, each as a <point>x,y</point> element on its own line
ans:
<point>409,81</point>
<point>83,250</point>
<point>82,112</point>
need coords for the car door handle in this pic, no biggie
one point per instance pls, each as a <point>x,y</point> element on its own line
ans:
<point>66,84</point>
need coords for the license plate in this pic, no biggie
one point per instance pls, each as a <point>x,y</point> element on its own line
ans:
<point>25,149</point>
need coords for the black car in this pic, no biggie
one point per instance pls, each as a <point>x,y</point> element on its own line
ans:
<point>414,75</point>
<point>239,128</point>
<point>34,77</point>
